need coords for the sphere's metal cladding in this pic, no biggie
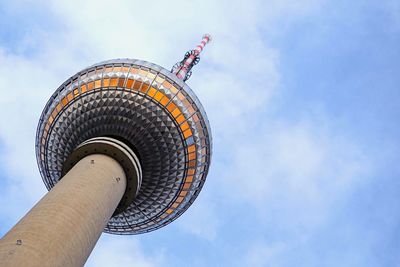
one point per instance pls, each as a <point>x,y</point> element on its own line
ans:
<point>147,108</point>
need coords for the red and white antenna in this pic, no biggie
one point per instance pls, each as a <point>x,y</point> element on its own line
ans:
<point>183,69</point>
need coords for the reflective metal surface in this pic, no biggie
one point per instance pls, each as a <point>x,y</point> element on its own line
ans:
<point>149,109</point>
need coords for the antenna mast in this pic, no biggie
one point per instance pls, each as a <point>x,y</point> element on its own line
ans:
<point>183,69</point>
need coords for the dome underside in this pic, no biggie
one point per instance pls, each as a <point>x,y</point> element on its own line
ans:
<point>146,106</point>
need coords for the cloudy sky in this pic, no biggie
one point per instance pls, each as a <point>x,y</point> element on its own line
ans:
<point>303,100</point>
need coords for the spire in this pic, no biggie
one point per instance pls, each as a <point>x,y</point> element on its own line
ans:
<point>183,69</point>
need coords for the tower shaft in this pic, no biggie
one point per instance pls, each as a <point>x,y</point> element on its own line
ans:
<point>63,227</point>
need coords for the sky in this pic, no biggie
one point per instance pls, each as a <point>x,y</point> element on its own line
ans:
<point>302,98</point>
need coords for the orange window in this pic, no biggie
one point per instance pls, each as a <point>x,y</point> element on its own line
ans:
<point>137,85</point>
<point>192,164</point>
<point>183,193</point>
<point>113,82</point>
<point>106,82</point>
<point>171,107</point>
<point>70,96</point>
<point>144,88</point>
<point>54,113</point>
<point>192,156</point>
<point>180,119</point>
<point>64,101</point>
<point>83,88</point>
<point>158,96</point>
<point>164,100</point>
<point>90,86</point>
<point>187,133</point>
<point>176,112</point>
<point>152,91</point>
<point>184,126</point>
<point>129,83</point>
<point>97,83</point>
<point>121,82</point>
<point>191,148</point>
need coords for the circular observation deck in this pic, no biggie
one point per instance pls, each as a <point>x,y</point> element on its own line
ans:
<point>148,109</point>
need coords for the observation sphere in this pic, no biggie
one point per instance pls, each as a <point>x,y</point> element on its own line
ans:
<point>145,107</point>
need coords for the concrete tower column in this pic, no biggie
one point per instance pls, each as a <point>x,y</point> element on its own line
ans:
<point>63,227</point>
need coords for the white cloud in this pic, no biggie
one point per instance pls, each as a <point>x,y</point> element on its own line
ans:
<point>241,65</point>
<point>260,254</point>
<point>294,172</point>
<point>23,93</point>
<point>202,219</point>
<point>97,30</point>
<point>122,251</point>
<point>302,167</point>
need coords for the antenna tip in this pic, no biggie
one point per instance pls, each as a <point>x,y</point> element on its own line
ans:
<point>208,37</point>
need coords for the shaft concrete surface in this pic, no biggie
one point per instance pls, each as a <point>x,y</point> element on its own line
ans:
<point>64,226</point>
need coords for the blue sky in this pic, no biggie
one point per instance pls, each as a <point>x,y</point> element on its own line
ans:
<point>302,99</point>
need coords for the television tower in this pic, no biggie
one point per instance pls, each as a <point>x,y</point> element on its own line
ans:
<point>124,147</point>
